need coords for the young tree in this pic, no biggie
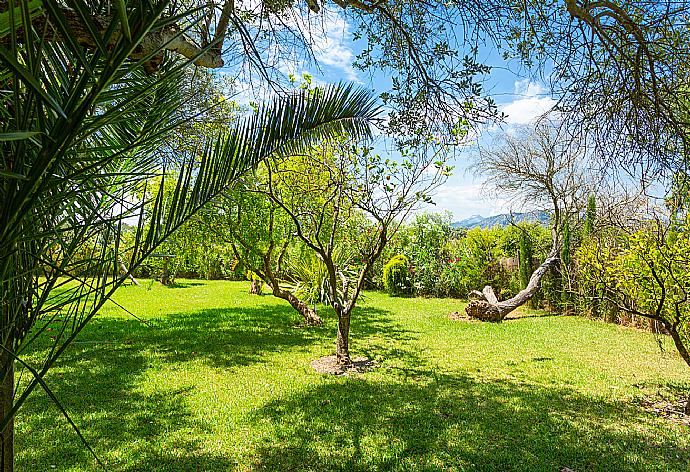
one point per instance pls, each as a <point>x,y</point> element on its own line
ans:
<point>262,238</point>
<point>327,190</point>
<point>538,169</point>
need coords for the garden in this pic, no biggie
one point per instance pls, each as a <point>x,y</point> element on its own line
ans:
<point>213,378</point>
<point>229,236</point>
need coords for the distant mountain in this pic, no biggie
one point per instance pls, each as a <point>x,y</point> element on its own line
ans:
<point>478,221</point>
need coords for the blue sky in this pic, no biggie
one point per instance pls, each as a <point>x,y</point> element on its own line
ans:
<point>522,99</point>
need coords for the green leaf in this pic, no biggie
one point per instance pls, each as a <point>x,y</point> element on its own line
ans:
<point>12,175</point>
<point>18,135</point>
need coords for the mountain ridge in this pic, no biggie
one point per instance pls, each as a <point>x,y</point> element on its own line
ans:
<point>505,219</point>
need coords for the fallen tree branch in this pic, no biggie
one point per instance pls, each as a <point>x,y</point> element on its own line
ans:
<point>485,305</point>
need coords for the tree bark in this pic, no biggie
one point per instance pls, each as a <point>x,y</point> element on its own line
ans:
<point>255,287</point>
<point>311,318</point>
<point>169,37</point>
<point>342,347</point>
<point>6,403</point>
<point>165,277</point>
<point>684,354</point>
<point>126,273</point>
<point>488,308</point>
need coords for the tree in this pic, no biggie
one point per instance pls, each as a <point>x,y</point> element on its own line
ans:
<point>78,143</point>
<point>262,239</point>
<point>539,169</point>
<point>326,191</point>
<point>526,265</point>
<point>644,271</point>
<point>590,216</point>
<point>619,72</point>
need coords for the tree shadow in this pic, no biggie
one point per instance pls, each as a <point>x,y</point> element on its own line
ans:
<point>185,284</point>
<point>100,389</point>
<point>99,380</point>
<point>520,316</point>
<point>444,422</point>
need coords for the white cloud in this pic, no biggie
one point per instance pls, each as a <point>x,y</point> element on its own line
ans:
<point>329,37</point>
<point>531,103</point>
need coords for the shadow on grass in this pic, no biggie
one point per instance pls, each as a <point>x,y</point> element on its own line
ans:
<point>100,389</point>
<point>411,418</point>
<point>185,284</point>
<point>520,316</point>
<point>458,423</point>
<point>99,380</point>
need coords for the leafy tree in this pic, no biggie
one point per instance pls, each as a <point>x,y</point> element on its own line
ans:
<point>645,272</point>
<point>262,239</point>
<point>325,192</point>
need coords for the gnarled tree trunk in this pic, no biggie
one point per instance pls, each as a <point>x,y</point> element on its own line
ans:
<point>311,318</point>
<point>488,308</point>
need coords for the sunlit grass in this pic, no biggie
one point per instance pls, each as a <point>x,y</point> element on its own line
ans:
<point>220,380</point>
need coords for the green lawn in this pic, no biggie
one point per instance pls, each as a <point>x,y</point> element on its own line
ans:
<point>220,380</point>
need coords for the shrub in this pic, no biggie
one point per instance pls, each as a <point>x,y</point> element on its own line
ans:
<point>396,275</point>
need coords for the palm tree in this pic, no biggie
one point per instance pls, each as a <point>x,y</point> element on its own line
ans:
<point>80,132</point>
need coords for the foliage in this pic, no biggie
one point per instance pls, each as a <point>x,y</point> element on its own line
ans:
<point>645,273</point>
<point>526,259</point>
<point>396,275</point>
<point>340,191</point>
<point>590,216</point>
<point>79,143</point>
<point>426,238</point>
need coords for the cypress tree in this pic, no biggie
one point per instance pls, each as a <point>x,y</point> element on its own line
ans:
<point>565,266</point>
<point>590,215</point>
<point>525,259</point>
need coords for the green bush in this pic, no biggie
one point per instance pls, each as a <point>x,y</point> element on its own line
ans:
<point>396,275</point>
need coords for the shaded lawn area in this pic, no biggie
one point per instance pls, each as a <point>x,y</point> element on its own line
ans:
<point>220,380</point>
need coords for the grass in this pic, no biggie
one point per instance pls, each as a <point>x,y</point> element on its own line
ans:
<point>220,380</point>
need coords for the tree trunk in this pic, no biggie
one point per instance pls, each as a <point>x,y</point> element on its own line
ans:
<point>342,348</point>
<point>6,403</point>
<point>165,277</point>
<point>488,308</point>
<point>682,350</point>
<point>311,318</point>
<point>126,273</point>
<point>255,287</point>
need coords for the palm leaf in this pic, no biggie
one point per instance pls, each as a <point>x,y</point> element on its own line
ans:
<point>78,147</point>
